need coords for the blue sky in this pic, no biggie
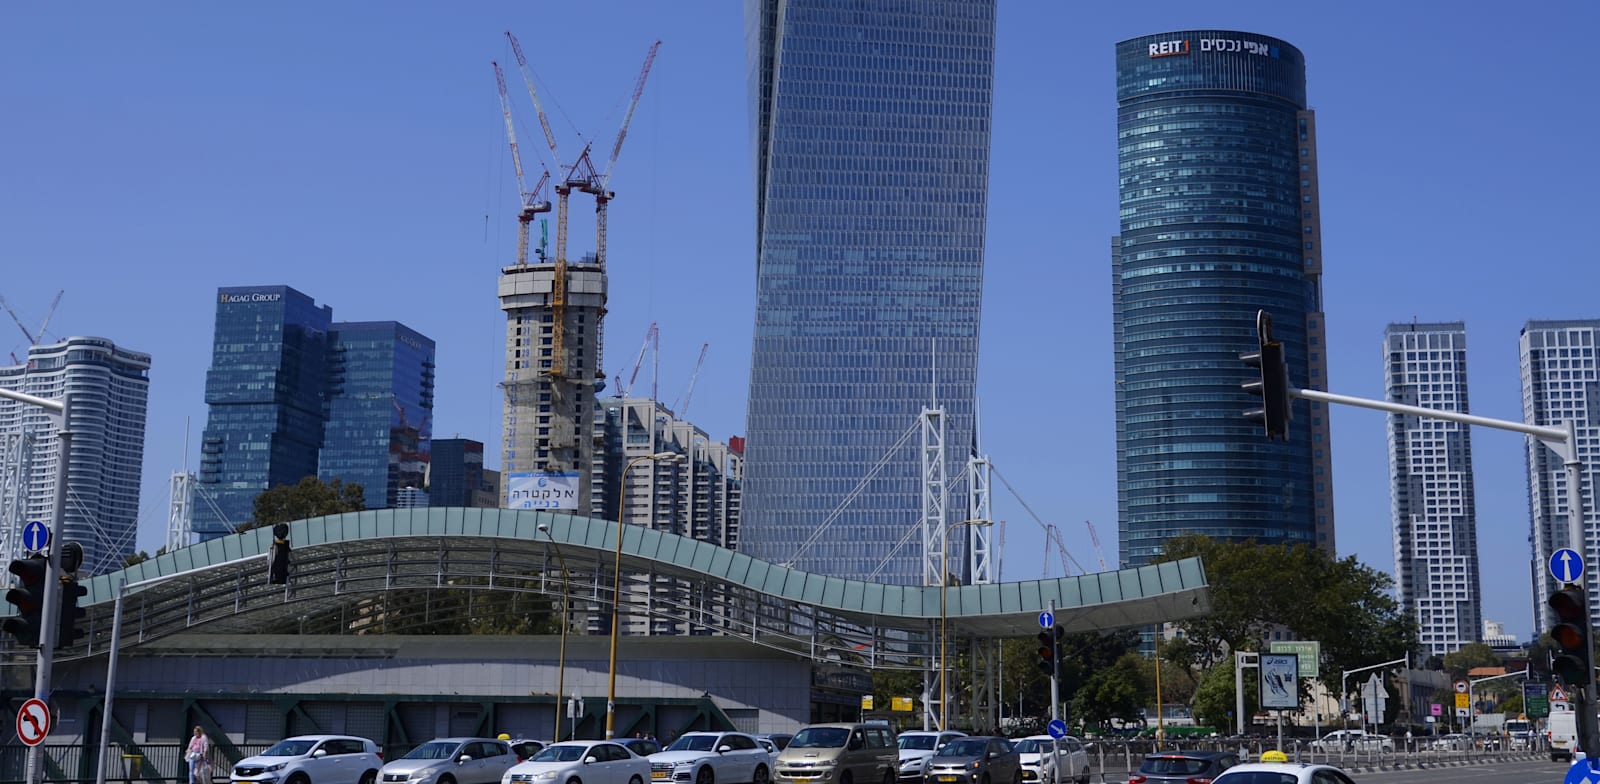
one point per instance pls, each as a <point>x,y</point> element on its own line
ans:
<point>151,153</point>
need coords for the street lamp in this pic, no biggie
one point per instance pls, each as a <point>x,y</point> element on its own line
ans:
<point>566,602</point>
<point>616,586</point>
<point>944,586</point>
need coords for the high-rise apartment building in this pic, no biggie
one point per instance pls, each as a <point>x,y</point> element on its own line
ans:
<point>1432,505</point>
<point>1217,161</point>
<point>380,392</point>
<point>293,394</point>
<point>871,137</point>
<point>1560,383</point>
<point>110,388</point>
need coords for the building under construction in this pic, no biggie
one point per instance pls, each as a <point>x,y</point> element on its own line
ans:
<point>554,323</point>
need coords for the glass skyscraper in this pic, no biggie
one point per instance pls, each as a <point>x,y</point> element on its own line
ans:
<point>292,394</point>
<point>110,389</point>
<point>1217,167</point>
<point>1431,488</point>
<point>455,471</point>
<point>380,403</point>
<point>870,125</point>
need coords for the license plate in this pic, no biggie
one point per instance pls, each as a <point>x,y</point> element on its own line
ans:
<point>802,779</point>
<point>947,778</point>
<point>658,774</point>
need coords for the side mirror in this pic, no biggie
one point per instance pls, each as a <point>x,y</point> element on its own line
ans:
<point>721,749</point>
<point>587,760</point>
<point>319,753</point>
<point>464,758</point>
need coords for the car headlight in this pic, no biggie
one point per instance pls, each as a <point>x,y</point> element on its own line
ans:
<point>975,764</point>
<point>547,775</point>
<point>419,774</point>
<point>271,768</point>
<point>826,763</point>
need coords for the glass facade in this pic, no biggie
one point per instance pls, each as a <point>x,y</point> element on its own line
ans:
<point>291,394</point>
<point>1217,185</point>
<point>455,471</point>
<point>871,136</point>
<point>380,403</point>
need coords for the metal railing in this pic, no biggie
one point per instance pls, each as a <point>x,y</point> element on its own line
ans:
<point>1116,759</point>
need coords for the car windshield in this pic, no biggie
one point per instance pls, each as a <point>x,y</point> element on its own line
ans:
<point>432,751</point>
<point>918,742</point>
<point>1182,766</point>
<point>560,754</point>
<point>1028,746</point>
<point>820,738</point>
<point>961,747</point>
<point>1257,777</point>
<point>694,743</point>
<point>289,748</point>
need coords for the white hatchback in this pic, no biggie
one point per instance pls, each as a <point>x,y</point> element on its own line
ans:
<point>581,762</point>
<point>1038,764</point>
<point>712,758</point>
<point>312,759</point>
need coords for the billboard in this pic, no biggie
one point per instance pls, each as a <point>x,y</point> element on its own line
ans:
<point>1280,680</point>
<point>540,490</point>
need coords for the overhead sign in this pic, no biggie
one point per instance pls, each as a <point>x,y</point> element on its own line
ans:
<point>33,722</point>
<point>1566,565</point>
<point>35,536</point>
<point>1309,651</point>
<point>1280,680</point>
<point>1046,620</point>
<point>1536,700</point>
<point>537,490</point>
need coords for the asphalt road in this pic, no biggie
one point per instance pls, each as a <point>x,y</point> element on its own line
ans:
<point>1519,772</point>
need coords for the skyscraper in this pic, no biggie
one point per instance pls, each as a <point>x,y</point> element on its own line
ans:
<point>871,136</point>
<point>1216,153</point>
<point>292,394</point>
<point>455,472</point>
<point>110,389</point>
<point>1560,382</point>
<point>1433,506</point>
<point>380,392</point>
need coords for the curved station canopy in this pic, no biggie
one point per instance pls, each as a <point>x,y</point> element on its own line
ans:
<point>349,567</point>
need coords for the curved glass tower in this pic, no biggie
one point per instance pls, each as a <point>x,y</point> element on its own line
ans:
<point>1216,155</point>
<point>871,131</point>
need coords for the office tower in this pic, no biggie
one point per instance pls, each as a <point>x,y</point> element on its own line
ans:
<point>110,389</point>
<point>291,394</point>
<point>551,379</point>
<point>696,495</point>
<point>455,472</point>
<point>1217,162</point>
<point>1432,503</point>
<point>1560,383</point>
<point>380,408</point>
<point>871,136</point>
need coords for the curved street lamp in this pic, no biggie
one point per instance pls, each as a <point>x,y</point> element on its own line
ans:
<point>616,585</point>
<point>566,604</point>
<point>944,587</point>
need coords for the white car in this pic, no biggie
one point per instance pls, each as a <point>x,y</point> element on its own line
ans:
<point>452,761</point>
<point>1282,773</point>
<point>916,748</point>
<point>1353,740</point>
<point>1038,764</point>
<point>312,759</point>
<point>581,762</point>
<point>712,758</point>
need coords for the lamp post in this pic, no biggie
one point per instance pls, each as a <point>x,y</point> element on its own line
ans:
<point>566,602</point>
<point>944,619</point>
<point>616,586</point>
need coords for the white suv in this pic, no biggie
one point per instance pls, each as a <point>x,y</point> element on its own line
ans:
<point>916,748</point>
<point>312,759</point>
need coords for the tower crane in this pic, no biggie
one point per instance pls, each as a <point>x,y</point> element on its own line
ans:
<point>652,337</point>
<point>531,205</point>
<point>1052,534</point>
<point>37,336</point>
<point>693,377</point>
<point>1094,537</point>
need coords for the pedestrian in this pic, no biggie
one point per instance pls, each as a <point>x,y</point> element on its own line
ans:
<point>198,755</point>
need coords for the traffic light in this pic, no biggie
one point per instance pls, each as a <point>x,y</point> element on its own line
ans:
<point>1272,385</point>
<point>1573,657</point>
<point>28,597</point>
<point>278,556</point>
<point>1050,650</point>
<point>67,624</point>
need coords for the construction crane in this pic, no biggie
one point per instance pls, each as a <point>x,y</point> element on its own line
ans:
<point>1094,537</point>
<point>693,377</point>
<point>652,337</point>
<point>531,205</point>
<point>35,337</point>
<point>1052,534</point>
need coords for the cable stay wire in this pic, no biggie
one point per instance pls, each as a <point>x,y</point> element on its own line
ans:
<point>1035,515</point>
<point>822,527</point>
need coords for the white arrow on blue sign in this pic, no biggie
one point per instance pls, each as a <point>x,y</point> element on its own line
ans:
<point>1581,773</point>
<point>1046,620</point>
<point>35,536</point>
<point>1058,728</point>
<point>1566,565</point>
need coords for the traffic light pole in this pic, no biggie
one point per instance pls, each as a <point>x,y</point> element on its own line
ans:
<point>49,607</point>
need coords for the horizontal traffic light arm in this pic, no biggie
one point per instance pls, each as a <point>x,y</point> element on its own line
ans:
<point>1558,434</point>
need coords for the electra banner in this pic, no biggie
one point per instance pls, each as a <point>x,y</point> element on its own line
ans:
<point>532,490</point>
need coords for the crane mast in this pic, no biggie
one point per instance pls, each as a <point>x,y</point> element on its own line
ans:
<point>529,204</point>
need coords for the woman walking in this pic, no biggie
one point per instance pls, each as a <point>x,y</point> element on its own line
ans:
<point>198,756</point>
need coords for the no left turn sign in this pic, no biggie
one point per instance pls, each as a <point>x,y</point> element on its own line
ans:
<point>33,722</point>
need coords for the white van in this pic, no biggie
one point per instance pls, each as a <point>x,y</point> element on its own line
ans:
<point>1562,727</point>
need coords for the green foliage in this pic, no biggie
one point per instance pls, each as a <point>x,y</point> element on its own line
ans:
<point>1473,654</point>
<point>136,558</point>
<point>1214,698</point>
<point>310,498</point>
<point>1112,692</point>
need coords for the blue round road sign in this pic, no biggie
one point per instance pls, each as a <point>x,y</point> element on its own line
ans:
<point>1581,773</point>
<point>1046,620</point>
<point>1566,565</point>
<point>1058,728</point>
<point>35,536</point>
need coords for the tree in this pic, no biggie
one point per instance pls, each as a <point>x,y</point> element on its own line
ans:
<point>1473,654</point>
<point>310,498</point>
<point>1114,692</point>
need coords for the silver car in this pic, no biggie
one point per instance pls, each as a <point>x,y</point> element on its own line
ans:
<point>452,761</point>
<point>312,759</point>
